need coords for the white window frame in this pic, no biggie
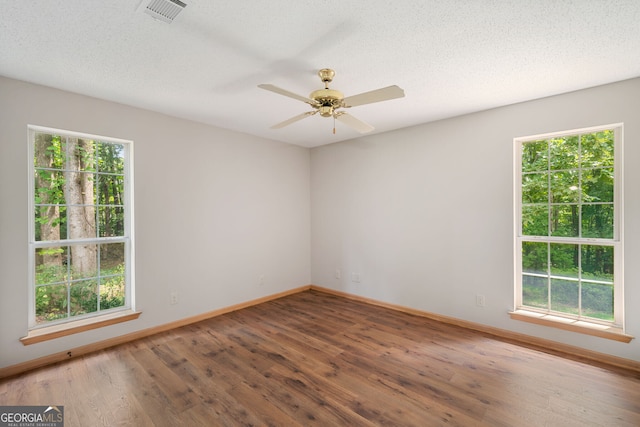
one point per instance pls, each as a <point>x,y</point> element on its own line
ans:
<point>616,242</point>
<point>127,239</point>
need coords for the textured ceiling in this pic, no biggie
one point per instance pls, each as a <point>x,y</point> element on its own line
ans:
<point>451,57</point>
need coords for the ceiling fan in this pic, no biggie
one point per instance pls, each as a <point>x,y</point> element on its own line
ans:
<point>329,102</point>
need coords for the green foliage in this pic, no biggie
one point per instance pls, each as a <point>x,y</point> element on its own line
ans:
<point>597,300</point>
<point>535,220</point>
<point>51,302</point>
<point>534,257</point>
<point>535,291</point>
<point>568,181</point>
<point>535,156</point>
<point>564,296</point>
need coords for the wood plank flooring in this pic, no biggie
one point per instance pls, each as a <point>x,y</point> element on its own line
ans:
<point>317,359</point>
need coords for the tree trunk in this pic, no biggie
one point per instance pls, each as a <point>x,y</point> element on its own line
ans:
<point>81,215</point>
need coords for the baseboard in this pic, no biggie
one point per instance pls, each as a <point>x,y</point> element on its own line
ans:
<point>19,368</point>
<point>540,344</point>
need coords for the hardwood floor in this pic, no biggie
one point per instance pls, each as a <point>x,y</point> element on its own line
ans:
<point>319,359</point>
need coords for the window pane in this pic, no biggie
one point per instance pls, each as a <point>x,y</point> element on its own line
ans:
<point>81,222</point>
<point>51,303</point>
<point>535,188</point>
<point>564,296</point>
<point>110,157</point>
<point>49,187</point>
<point>111,259</point>
<point>84,261</point>
<point>51,265</point>
<point>535,291</point>
<point>597,149</point>
<point>50,223</point>
<point>534,156</point>
<point>111,221</point>
<point>112,275</point>
<point>564,187</point>
<point>564,153</point>
<point>597,185</point>
<point>110,189</point>
<point>597,300</point>
<point>564,260</point>
<point>597,221</point>
<point>81,154</point>
<point>597,263</point>
<point>80,188</point>
<point>112,292</point>
<point>565,221</point>
<point>84,297</point>
<point>534,257</point>
<point>535,220</point>
<point>49,151</point>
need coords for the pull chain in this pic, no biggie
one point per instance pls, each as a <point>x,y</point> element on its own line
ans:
<point>334,124</point>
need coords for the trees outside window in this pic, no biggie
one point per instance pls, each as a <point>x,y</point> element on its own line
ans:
<point>569,228</point>
<point>80,236</point>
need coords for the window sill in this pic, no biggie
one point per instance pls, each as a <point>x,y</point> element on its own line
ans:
<point>579,326</point>
<point>57,331</point>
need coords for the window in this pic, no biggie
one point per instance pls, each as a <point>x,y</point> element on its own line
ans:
<point>569,225</point>
<point>80,237</point>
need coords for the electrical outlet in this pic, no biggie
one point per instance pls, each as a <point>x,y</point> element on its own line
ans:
<point>173,299</point>
<point>480,301</point>
<point>338,273</point>
<point>355,277</point>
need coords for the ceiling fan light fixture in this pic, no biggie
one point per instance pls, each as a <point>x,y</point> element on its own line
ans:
<point>326,111</point>
<point>164,10</point>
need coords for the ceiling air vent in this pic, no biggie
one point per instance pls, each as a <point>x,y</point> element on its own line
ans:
<point>164,10</point>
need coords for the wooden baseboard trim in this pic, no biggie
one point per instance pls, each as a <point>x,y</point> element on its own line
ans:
<point>19,368</point>
<point>541,344</point>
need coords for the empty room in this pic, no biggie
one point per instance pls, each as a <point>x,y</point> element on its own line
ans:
<point>353,213</point>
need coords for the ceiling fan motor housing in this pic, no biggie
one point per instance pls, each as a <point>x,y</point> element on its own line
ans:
<point>328,99</point>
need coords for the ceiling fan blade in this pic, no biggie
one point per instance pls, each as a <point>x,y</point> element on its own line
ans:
<point>285,92</point>
<point>351,121</point>
<point>384,94</point>
<point>293,119</point>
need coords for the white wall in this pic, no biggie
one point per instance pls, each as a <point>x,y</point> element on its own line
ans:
<point>425,215</point>
<point>214,209</point>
